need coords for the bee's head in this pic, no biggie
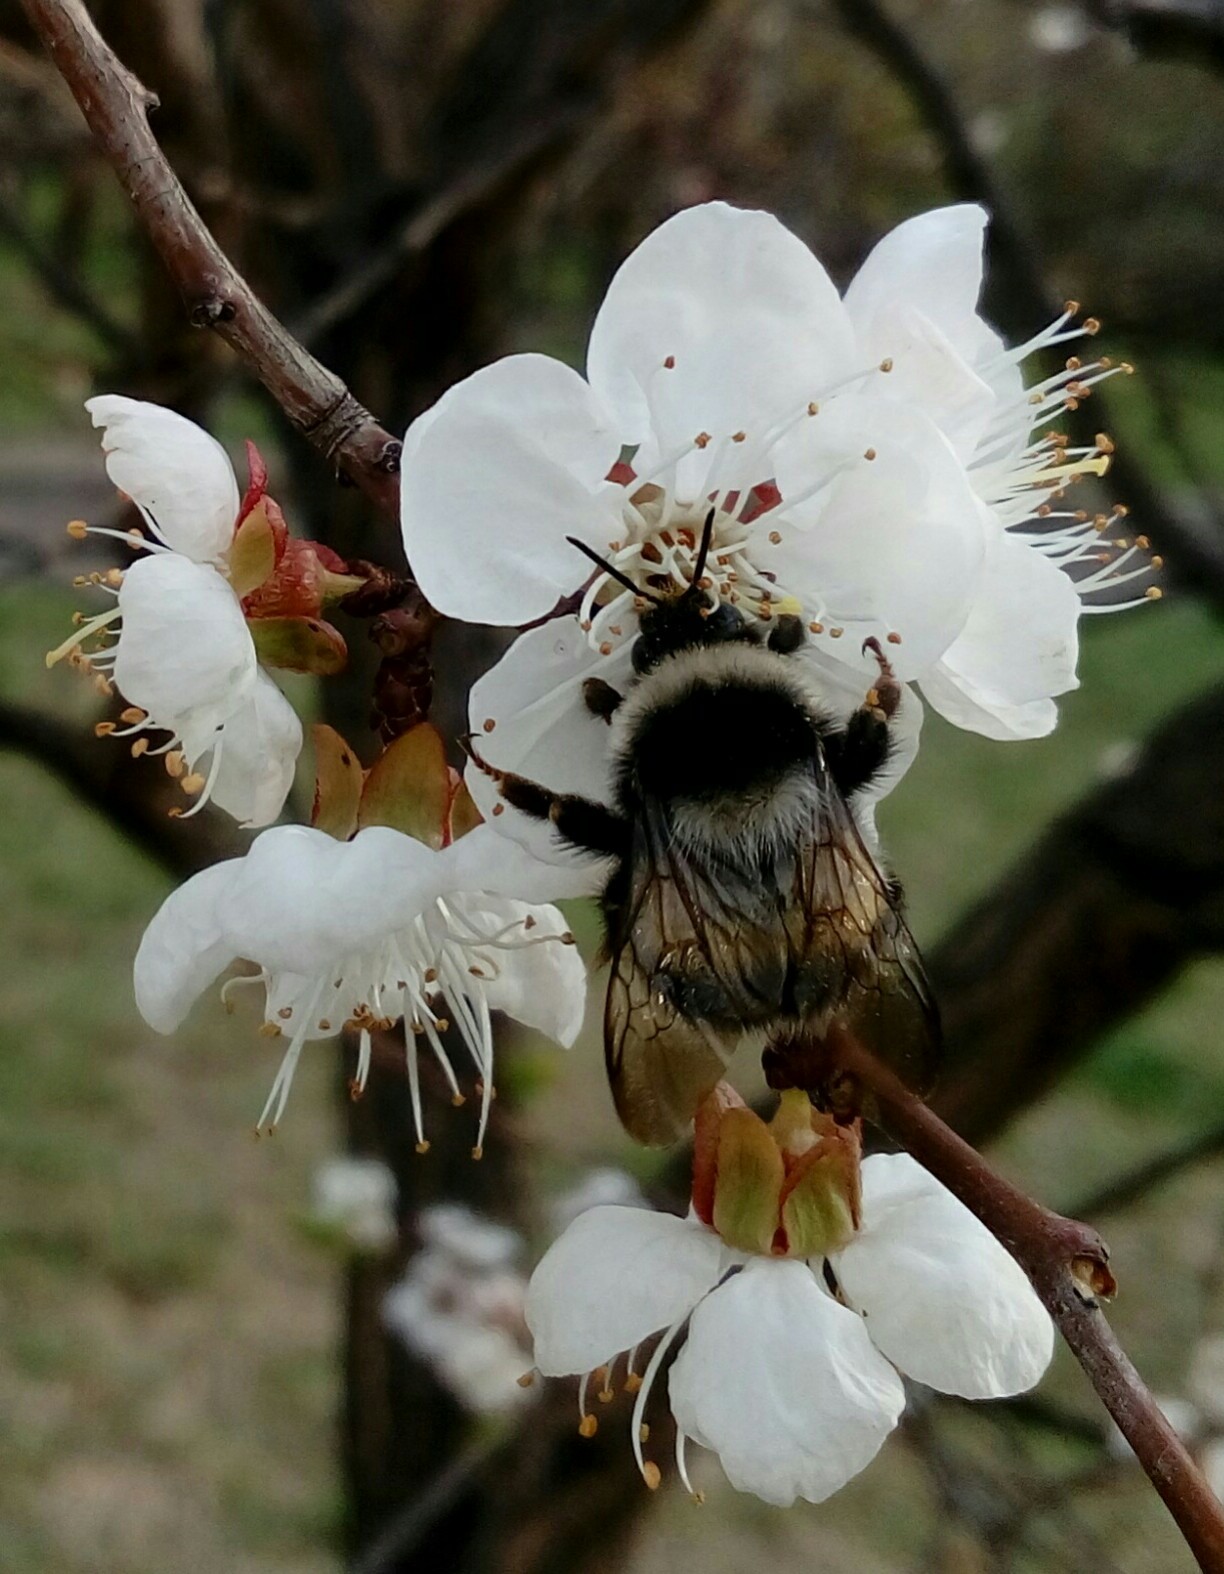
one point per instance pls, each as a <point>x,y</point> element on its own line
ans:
<point>676,621</point>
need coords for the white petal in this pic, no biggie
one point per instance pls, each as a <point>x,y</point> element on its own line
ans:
<point>485,860</point>
<point>506,465</point>
<point>183,949</point>
<point>750,317</point>
<point>932,262</point>
<point>928,372</point>
<point>894,545</point>
<point>1019,644</point>
<point>784,1385</point>
<point>185,654</point>
<point>1004,723</point>
<point>259,750</point>
<point>941,1297</point>
<point>301,901</point>
<point>614,1277</point>
<point>543,730</point>
<point>177,475</point>
<point>542,984</point>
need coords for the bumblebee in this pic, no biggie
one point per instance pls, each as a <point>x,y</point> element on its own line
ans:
<point>743,904</point>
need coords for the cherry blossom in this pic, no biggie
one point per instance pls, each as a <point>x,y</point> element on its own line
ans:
<point>363,933</point>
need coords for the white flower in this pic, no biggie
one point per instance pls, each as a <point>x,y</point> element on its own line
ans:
<point>793,1387</point>
<point>918,293</point>
<point>459,1307</point>
<point>365,932</point>
<point>176,644</point>
<point>869,462</point>
<point>356,1197</point>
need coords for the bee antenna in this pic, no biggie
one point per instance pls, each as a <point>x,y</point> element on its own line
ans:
<point>703,552</point>
<point>621,579</point>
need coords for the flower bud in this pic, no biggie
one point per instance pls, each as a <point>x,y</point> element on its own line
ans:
<point>789,1188</point>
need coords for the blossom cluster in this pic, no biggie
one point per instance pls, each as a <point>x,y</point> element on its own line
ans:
<point>871,463</point>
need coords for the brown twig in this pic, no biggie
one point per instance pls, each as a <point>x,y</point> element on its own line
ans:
<point>116,107</point>
<point>1069,1265</point>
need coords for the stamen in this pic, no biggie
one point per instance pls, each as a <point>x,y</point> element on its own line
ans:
<point>651,1475</point>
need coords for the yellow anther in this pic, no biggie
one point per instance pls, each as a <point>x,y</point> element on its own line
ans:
<point>588,1426</point>
<point>176,763</point>
<point>192,783</point>
<point>133,713</point>
<point>103,729</point>
<point>886,365</point>
<point>422,1146</point>
<point>78,529</point>
<point>270,1029</point>
<point>478,1152</point>
<point>1153,593</point>
<point>651,1475</point>
<point>527,1379</point>
<point>141,746</point>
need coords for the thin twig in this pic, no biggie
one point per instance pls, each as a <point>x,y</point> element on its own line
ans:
<point>116,108</point>
<point>1142,1180</point>
<point>61,284</point>
<point>1068,1264</point>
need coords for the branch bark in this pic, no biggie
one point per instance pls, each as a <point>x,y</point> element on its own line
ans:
<point>116,107</point>
<point>1068,1264</point>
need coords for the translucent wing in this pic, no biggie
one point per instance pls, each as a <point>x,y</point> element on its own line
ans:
<point>689,973</point>
<point>706,950</point>
<point>856,958</point>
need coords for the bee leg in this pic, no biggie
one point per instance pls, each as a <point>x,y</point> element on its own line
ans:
<point>886,695</point>
<point>601,699</point>
<point>786,634</point>
<point>583,823</point>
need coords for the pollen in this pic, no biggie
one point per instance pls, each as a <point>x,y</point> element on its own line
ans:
<point>836,633</point>
<point>192,783</point>
<point>422,1146</point>
<point>869,453</point>
<point>813,408</point>
<point>815,628</point>
<point>269,1030</point>
<point>894,638</point>
<point>605,649</point>
<point>776,537</point>
<point>1153,593</point>
<point>175,763</point>
<point>77,529</point>
<point>489,724</point>
<point>886,365</point>
<point>527,1379</point>
<point>588,1426</point>
<point>702,440</point>
<point>103,729</point>
<point>651,1475</point>
<point>140,747</point>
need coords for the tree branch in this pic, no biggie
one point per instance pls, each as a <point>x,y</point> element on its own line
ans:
<point>116,108</point>
<point>1068,1265</point>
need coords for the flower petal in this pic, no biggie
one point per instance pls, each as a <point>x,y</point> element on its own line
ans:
<point>183,949</point>
<point>783,1384</point>
<point>506,465</point>
<point>259,749</point>
<point>941,1297</point>
<point>177,475</point>
<point>893,545</point>
<point>750,318</point>
<point>1019,644</point>
<point>614,1277</point>
<point>542,729</point>
<point>184,652</point>
<point>302,901</point>
<point>932,262</point>
<point>542,984</point>
<point>486,860</point>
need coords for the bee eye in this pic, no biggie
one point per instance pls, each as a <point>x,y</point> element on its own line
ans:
<point>724,621</point>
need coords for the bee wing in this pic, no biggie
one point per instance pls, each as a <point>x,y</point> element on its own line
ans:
<point>676,933</point>
<point>859,956</point>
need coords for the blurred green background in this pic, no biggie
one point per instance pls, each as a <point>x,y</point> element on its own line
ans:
<point>169,1334</point>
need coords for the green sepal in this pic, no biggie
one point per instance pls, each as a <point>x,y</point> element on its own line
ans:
<point>299,644</point>
<point>408,787</point>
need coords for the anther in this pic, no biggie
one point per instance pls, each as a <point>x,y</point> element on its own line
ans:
<point>443,1024</point>
<point>324,1025</point>
<point>139,747</point>
<point>894,638</point>
<point>285,1013</point>
<point>1105,443</point>
<point>632,1383</point>
<point>527,1379</point>
<point>78,529</point>
<point>270,1029</point>
<point>103,729</point>
<point>175,763</point>
<point>651,1475</point>
<point>133,713</point>
<point>457,1100</point>
<point>1091,325</point>
<point>488,724</point>
<point>431,975</point>
<point>192,783</point>
<point>615,628</point>
<point>1153,593</point>
<point>869,453</point>
<point>738,437</point>
<point>670,363</point>
<point>836,633</point>
<point>605,648</point>
<point>886,365</point>
<point>813,408</point>
<point>588,1426</point>
<point>499,808</point>
<point>702,440</point>
<point>776,537</point>
<point>815,628</point>
<point>1157,562</point>
<point>1071,308</point>
<point>1142,542</point>
<point>1074,364</point>
<point>644,1432</point>
<point>422,1146</point>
